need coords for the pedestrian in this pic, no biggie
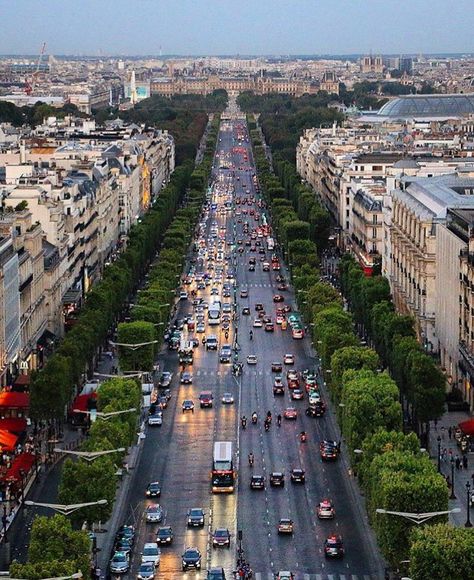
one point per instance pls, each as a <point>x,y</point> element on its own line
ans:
<point>442,432</point>
<point>458,462</point>
<point>464,461</point>
<point>450,432</point>
<point>445,454</point>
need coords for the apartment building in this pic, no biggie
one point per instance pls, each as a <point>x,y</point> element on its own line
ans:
<point>9,309</point>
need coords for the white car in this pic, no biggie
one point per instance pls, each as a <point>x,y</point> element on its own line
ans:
<point>151,553</point>
<point>314,397</point>
<point>289,359</point>
<point>257,323</point>
<point>156,419</point>
<point>252,359</point>
<point>227,399</point>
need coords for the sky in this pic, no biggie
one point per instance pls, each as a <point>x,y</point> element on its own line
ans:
<point>245,27</point>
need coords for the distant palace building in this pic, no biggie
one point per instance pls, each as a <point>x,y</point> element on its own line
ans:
<point>168,86</point>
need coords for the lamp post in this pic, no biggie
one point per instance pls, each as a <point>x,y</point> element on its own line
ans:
<point>468,505</point>
<point>439,453</point>
<point>65,510</point>
<point>453,495</point>
<point>22,475</point>
<point>416,518</point>
<point>89,455</point>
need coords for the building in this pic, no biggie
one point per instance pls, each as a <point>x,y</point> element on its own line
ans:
<point>9,309</point>
<point>371,64</point>
<point>440,107</point>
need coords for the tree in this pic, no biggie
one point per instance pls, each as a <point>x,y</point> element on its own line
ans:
<point>55,550</point>
<point>303,252</point>
<point>427,387</point>
<point>320,225</point>
<point>351,358</point>
<point>136,358</point>
<point>296,230</point>
<point>322,295</point>
<point>441,551</point>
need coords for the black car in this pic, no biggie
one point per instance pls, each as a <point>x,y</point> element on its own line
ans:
<point>216,574</point>
<point>165,379</point>
<point>164,535</point>
<point>316,410</point>
<point>191,559</point>
<point>329,450</point>
<point>153,489</point>
<point>257,482</point>
<point>334,547</point>
<point>277,479</point>
<point>195,517</point>
<point>278,389</point>
<point>246,311</point>
<point>126,532</point>
<point>297,475</point>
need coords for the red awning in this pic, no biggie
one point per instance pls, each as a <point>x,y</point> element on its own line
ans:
<point>14,400</point>
<point>8,440</point>
<point>15,424</point>
<point>81,402</point>
<point>22,380</point>
<point>467,427</point>
<point>23,461</point>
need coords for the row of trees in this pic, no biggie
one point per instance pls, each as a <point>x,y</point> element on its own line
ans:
<point>393,471</point>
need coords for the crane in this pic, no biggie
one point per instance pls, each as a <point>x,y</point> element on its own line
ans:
<point>29,88</point>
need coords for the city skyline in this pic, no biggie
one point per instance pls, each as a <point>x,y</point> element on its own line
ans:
<point>190,28</point>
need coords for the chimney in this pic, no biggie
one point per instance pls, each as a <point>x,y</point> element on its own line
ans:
<point>22,153</point>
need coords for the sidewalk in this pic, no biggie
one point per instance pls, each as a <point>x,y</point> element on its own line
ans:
<point>449,448</point>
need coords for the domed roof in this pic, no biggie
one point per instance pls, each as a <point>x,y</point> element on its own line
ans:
<point>409,106</point>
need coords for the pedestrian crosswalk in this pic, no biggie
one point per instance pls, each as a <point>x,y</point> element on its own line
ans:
<point>227,370</point>
<point>318,576</point>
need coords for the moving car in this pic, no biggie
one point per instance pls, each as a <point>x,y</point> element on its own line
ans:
<point>297,394</point>
<point>164,535</point>
<point>325,510</point>
<point>290,413</point>
<point>289,359</point>
<point>278,298</point>
<point>227,399</point>
<point>191,558</point>
<point>285,575</point>
<point>252,359</point>
<point>188,405</point>
<point>211,342</point>
<point>156,419</point>
<point>216,574</point>
<point>151,553</point>
<point>154,513</point>
<point>165,379</point>
<point>285,526</point>
<point>257,323</point>
<point>146,571</point>
<point>297,475</point>
<point>329,450</point>
<point>246,311</point>
<point>334,547</point>
<point>316,410</point>
<point>257,482</point>
<point>206,399</point>
<point>221,537</point>
<point>195,517</point>
<point>276,367</point>
<point>153,489</point>
<point>186,378</point>
<point>277,479</point>
<point>269,327</point>
<point>225,356</point>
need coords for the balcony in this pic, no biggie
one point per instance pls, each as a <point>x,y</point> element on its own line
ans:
<point>467,355</point>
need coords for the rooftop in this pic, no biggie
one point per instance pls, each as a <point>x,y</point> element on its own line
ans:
<point>432,106</point>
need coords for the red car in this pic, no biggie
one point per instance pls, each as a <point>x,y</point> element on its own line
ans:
<point>334,547</point>
<point>329,450</point>
<point>290,413</point>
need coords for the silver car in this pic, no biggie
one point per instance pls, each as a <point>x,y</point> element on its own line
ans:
<point>154,513</point>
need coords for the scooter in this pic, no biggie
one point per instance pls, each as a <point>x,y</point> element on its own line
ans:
<point>254,418</point>
<point>244,423</point>
<point>267,425</point>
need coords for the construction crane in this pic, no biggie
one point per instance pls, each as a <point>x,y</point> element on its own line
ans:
<point>29,88</point>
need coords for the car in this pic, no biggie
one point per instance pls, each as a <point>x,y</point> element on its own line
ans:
<point>165,379</point>
<point>285,526</point>
<point>156,419</point>
<point>257,323</point>
<point>151,553</point>
<point>120,563</point>
<point>285,575</point>
<point>269,327</point>
<point>124,545</point>
<point>325,510</point>
<point>211,342</point>
<point>161,402</point>
<point>290,413</point>
<point>214,291</point>
<point>205,399</point>
<point>216,574</point>
<point>227,399</point>
<point>164,535</point>
<point>289,359</point>
<point>252,359</point>
<point>154,513</point>
<point>329,450</point>
<point>280,318</point>
<point>183,295</point>
<point>246,311</point>
<point>314,398</point>
<point>225,355</point>
<point>277,367</point>
<point>297,394</point>
<point>191,558</point>
<point>259,307</point>
<point>278,298</point>
<point>126,532</point>
<point>196,517</point>
<point>266,266</point>
<point>297,333</point>
<point>278,389</point>
<point>186,378</point>
<point>153,489</point>
<point>244,293</point>
<point>187,405</point>
<point>297,475</point>
<point>200,327</point>
<point>257,482</point>
<point>316,410</point>
<point>334,547</point>
<point>282,287</point>
<point>251,268</point>
<point>277,479</point>
<point>221,537</point>
<point>146,571</point>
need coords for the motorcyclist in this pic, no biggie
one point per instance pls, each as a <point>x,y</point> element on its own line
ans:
<point>251,334</point>
<point>269,416</point>
<point>226,334</point>
<point>254,417</point>
<point>251,459</point>
<point>244,421</point>
<point>303,436</point>
<point>267,424</point>
<point>279,420</point>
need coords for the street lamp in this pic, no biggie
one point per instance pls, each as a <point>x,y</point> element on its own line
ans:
<point>72,577</point>
<point>415,518</point>
<point>88,455</point>
<point>439,453</point>
<point>468,505</point>
<point>65,510</point>
<point>105,416</point>
<point>453,495</point>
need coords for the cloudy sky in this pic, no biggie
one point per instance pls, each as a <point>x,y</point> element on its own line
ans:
<point>206,27</point>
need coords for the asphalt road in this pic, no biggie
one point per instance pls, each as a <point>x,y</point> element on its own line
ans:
<point>179,453</point>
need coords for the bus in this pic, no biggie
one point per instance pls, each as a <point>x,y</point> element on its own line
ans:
<point>214,313</point>
<point>270,244</point>
<point>223,475</point>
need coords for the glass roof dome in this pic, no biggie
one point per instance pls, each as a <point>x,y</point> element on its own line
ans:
<point>409,106</point>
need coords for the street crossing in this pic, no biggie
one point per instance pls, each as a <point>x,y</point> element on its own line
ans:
<point>319,576</point>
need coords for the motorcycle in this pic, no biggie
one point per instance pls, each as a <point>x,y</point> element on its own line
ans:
<point>254,418</point>
<point>267,425</point>
<point>251,459</point>
<point>244,422</point>
<point>303,437</point>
